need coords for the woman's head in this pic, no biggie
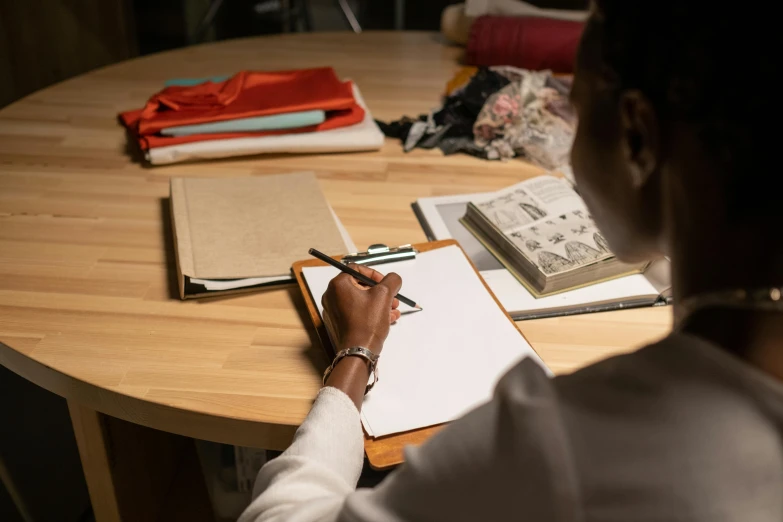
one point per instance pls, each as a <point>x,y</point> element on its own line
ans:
<point>674,122</point>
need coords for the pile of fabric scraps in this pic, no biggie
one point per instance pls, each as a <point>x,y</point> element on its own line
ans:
<point>498,114</point>
<point>309,110</point>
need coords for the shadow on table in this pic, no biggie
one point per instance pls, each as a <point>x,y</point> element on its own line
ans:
<point>168,242</point>
<point>132,148</point>
<point>316,353</point>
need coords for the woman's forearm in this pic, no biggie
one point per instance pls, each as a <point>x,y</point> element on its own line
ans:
<point>311,479</point>
<point>350,376</point>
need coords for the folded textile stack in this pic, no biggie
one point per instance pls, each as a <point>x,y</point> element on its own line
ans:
<point>497,113</point>
<point>309,110</point>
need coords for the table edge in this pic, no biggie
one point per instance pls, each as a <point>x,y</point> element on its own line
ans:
<point>226,430</point>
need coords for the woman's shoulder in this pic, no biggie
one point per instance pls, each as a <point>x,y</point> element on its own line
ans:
<point>644,421</point>
<point>680,367</point>
<point>654,371</point>
<point>678,378</point>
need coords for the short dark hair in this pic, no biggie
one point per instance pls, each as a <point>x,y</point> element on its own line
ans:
<point>697,61</point>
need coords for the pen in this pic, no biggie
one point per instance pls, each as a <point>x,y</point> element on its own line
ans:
<point>361,277</point>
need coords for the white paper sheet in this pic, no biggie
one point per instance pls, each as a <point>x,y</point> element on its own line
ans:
<point>517,299</point>
<point>216,285</point>
<point>439,363</point>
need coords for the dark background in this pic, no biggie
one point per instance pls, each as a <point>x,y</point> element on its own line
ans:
<point>43,42</point>
<point>46,41</point>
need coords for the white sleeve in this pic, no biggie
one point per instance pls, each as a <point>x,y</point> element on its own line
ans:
<point>311,479</point>
<point>507,459</point>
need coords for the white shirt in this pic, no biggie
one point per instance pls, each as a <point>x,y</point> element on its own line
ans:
<point>678,431</point>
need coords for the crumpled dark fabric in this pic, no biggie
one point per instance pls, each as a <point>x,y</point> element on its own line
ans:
<point>501,113</point>
<point>451,127</point>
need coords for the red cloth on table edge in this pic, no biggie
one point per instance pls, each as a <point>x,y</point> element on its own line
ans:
<point>247,94</point>
<point>528,42</point>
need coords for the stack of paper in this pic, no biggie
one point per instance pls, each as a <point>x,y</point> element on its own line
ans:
<point>439,363</point>
<point>237,234</point>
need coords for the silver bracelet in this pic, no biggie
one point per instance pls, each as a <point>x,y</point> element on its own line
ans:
<point>357,351</point>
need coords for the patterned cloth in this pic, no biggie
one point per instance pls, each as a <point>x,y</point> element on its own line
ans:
<point>530,117</point>
<point>501,113</point>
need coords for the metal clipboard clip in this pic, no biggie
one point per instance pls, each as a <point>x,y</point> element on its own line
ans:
<point>379,254</point>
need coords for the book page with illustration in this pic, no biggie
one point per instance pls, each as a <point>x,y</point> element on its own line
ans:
<point>547,222</point>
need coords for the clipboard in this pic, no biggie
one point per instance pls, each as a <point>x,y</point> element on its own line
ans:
<point>387,451</point>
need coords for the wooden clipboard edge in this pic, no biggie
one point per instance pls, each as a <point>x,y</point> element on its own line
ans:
<point>383,452</point>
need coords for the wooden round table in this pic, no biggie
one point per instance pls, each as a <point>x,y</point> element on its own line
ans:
<point>88,308</point>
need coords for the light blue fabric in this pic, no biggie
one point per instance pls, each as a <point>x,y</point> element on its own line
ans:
<point>189,82</point>
<point>291,120</point>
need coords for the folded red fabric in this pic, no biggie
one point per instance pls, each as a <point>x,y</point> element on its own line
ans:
<point>527,42</point>
<point>247,94</point>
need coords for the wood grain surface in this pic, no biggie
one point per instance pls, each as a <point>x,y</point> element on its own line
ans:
<point>88,306</point>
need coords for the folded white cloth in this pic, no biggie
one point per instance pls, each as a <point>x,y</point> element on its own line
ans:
<point>362,136</point>
<point>475,8</point>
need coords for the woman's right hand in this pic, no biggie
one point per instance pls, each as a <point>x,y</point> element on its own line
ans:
<point>358,315</point>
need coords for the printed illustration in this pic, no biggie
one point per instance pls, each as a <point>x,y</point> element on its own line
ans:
<point>601,242</point>
<point>513,210</point>
<point>533,211</point>
<point>556,238</point>
<point>580,253</point>
<point>562,244</point>
<point>551,263</point>
<point>579,231</point>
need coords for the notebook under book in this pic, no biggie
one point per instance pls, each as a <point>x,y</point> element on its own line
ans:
<point>543,233</point>
<point>440,217</point>
<point>242,233</point>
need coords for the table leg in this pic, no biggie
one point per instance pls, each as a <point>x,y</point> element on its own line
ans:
<point>93,450</point>
<point>399,15</point>
<point>135,473</point>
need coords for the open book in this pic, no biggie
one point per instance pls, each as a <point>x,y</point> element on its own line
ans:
<point>543,234</point>
<point>440,218</point>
